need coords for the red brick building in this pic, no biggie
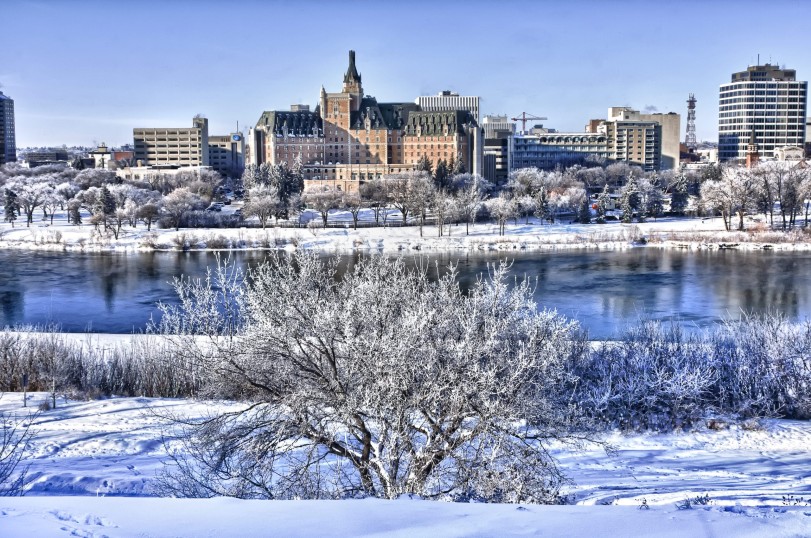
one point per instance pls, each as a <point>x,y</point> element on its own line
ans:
<point>351,138</point>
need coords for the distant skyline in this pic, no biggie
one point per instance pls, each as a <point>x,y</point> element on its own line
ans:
<point>90,71</point>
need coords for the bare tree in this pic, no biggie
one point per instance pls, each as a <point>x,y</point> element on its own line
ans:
<point>471,190</point>
<point>15,438</point>
<point>399,384</point>
<point>263,202</point>
<point>376,195</point>
<point>502,209</point>
<point>353,203</point>
<point>178,203</point>
<point>323,200</point>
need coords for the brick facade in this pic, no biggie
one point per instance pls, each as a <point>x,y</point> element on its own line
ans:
<point>351,138</point>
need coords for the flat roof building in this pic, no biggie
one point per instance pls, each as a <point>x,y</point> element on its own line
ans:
<point>184,146</point>
<point>764,102</point>
<point>8,144</point>
<point>226,154</point>
<point>448,100</point>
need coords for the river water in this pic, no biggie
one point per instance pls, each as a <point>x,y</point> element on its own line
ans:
<point>604,291</point>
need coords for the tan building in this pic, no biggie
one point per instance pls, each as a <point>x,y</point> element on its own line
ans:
<point>226,154</point>
<point>664,140</point>
<point>350,137</point>
<point>184,146</point>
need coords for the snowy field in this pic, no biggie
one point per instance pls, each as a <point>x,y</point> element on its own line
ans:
<point>93,464</point>
<point>531,235</point>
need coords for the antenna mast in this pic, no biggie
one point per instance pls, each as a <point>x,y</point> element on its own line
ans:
<point>690,138</point>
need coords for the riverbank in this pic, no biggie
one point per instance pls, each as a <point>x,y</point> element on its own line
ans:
<point>530,235</point>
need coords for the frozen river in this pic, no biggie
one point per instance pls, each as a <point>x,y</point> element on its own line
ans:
<point>604,291</point>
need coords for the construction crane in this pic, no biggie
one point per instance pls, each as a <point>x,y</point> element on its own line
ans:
<point>524,117</point>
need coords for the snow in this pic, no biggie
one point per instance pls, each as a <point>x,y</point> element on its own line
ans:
<point>93,462</point>
<point>531,235</point>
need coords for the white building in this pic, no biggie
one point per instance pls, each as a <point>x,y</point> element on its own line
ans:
<point>447,100</point>
<point>767,101</point>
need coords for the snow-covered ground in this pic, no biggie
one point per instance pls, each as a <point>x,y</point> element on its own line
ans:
<point>532,235</point>
<point>93,463</point>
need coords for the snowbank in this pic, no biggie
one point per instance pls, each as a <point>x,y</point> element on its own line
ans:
<point>219,517</point>
<point>93,462</point>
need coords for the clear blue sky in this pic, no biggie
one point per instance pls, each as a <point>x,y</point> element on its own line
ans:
<point>84,71</point>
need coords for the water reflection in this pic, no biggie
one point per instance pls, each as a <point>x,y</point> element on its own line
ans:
<point>605,291</point>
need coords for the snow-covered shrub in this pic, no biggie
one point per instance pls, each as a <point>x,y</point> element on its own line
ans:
<point>653,376</point>
<point>15,437</point>
<point>380,383</point>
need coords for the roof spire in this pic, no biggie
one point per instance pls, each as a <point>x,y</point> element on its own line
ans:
<point>352,72</point>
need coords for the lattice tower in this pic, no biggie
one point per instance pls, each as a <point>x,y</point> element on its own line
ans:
<point>690,139</point>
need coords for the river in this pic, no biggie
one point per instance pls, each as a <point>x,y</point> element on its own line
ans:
<point>604,290</point>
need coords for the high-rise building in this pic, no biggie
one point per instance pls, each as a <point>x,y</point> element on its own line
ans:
<point>350,137</point>
<point>183,146</point>
<point>497,148</point>
<point>767,101</point>
<point>8,144</point>
<point>808,137</point>
<point>447,100</point>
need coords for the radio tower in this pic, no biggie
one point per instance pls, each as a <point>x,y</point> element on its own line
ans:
<point>690,139</point>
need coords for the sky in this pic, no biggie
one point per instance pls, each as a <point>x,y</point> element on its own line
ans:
<point>85,71</point>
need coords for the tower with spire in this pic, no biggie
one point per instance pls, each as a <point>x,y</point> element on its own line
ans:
<point>352,83</point>
<point>752,153</point>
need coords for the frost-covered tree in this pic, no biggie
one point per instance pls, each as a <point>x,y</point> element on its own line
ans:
<point>354,203</point>
<point>736,192</point>
<point>376,196</point>
<point>149,213</point>
<point>502,209</point>
<point>630,199</point>
<point>262,202</point>
<point>380,383</point>
<point>15,439</point>
<point>31,193</point>
<point>322,199</point>
<point>471,190</point>
<point>679,195</point>
<point>178,203</point>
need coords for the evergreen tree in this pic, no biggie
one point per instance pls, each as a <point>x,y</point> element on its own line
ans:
<point>457,166</point>
<point>584,215</point>
<point>441,174</point>
<point>11,207</point>
<point>74,212</point>
<point>678,195</point>
<point>602,204</point>
<point>541,198</point>
<point>424,165</point>
<point>630,200</point>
